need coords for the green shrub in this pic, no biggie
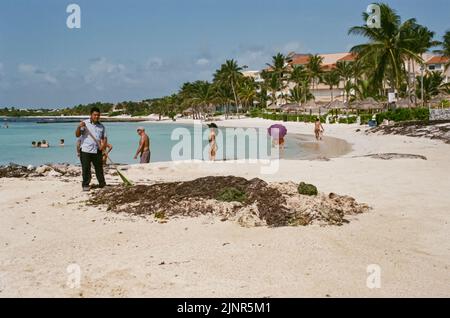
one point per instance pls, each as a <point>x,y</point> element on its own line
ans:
<point>307,189</point>
<point>232,195</point>
<point>365,118</point>
<point>347,120</point>
<point>403,114</point>
<point>116,113</point>
<point>160,215</point>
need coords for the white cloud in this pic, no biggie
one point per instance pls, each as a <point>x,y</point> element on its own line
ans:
<point>202,62</point>
<point>102,74</point>
<point>291,47</point>
<point>3,82</point>
<point>32,72</point>
<point>153,63</point>
<point>27,68</point>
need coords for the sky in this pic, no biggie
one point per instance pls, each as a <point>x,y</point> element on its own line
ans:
<point>139,49</point>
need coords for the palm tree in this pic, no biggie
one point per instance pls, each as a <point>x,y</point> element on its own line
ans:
<point>300,94</point>
<point>445,51</point>
<point>314,68</point>
<point>261,95</point>
<point>433,84</point>
<point>299,74</point>
<point>388,47</point>
<point>346,71</point>
<point>277,75</point>
<point>331,79</point>
<point>362,89</point>
<point>446,48</point>
<point>224,96</point>
<point>274,86</point>
<point>420,40</point>
<point>247,92</point>
<point>203,96</point>
<point>230,73</point>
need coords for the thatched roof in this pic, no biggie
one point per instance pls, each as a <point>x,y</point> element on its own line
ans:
<point>440,98</point>
<point>274,106</point>
<point>404,103</point>
<point>290,107</point>
<point>336,104</point>
<point>368,103</point>
<point>310,104</point>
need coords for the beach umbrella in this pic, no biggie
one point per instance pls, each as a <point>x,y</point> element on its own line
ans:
<point>290,107</point>
<point>336,104</point>
<point>277,131</point>
<point>368,103</point>
<point>403,103</point>
<point>439,99</point>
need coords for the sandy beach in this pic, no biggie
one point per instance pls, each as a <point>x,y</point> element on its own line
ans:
<point>46,226</point>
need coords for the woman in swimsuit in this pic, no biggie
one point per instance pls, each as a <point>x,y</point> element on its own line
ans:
<point>212,144</point>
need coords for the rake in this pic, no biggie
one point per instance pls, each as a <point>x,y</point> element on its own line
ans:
<point>125,180</point>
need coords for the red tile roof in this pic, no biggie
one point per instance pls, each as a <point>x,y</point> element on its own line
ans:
<point>300,59</point>
<point>437,60</point>
<point>350,57</point>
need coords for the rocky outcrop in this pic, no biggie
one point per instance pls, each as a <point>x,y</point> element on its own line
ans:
<point>53,170</point>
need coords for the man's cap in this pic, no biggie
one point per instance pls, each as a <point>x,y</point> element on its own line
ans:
<point>141,128</point>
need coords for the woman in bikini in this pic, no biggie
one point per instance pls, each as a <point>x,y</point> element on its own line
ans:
<point>212,142</point>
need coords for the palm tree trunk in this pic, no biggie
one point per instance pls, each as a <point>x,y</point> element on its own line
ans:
<point>409,83</point>
<point>414,83</point>
<point>235,98</point>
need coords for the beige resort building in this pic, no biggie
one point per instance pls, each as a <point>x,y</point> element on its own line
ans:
<point>322,92</point>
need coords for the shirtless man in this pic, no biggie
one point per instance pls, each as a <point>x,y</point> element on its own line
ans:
<point>318,129</point>
<point>144,146</point>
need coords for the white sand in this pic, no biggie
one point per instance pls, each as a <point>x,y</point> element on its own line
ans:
<point>407,233</point>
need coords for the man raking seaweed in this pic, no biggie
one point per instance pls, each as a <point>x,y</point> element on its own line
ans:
<point>93,139</point>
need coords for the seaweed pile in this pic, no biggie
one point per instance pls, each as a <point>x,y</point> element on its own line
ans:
<point>432,130</point>
<point>54,170</point>
<point>257,203</point>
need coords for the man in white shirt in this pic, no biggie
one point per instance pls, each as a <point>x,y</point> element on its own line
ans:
<point>92,136</point>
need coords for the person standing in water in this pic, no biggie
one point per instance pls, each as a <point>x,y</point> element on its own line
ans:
<point>318,129</point>
<point>144,146</point>
<point>92,136</point>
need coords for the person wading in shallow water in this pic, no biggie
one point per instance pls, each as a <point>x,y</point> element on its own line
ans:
<point>144,146</point>
<point>92,137</point>
<point>318,129</point>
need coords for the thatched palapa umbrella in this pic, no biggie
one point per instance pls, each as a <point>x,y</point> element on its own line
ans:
<point>366,104</point>
<point>290,108</point>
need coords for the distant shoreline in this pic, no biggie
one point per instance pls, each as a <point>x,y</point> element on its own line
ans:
<point>70,119</point>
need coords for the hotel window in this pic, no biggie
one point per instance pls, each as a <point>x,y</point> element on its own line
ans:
<point>431,67</point>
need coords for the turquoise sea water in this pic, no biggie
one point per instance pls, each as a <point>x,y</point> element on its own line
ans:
<point>15,143</point>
